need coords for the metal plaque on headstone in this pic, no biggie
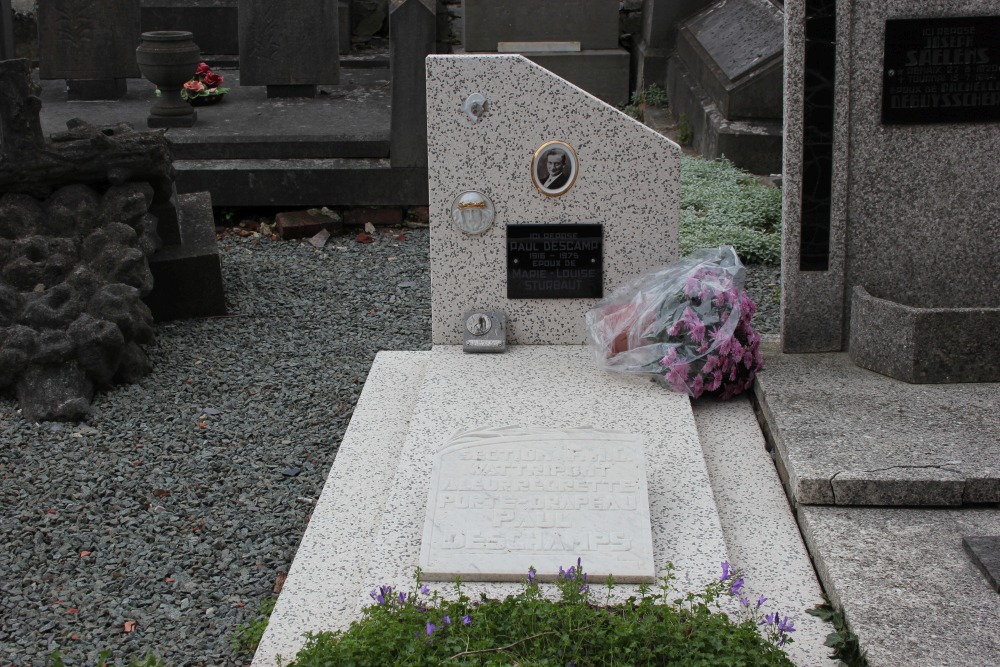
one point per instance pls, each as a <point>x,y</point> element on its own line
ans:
<point>555,261</point>
<point>484,331</point>
<point>503,500</point>
<point>86,40</point>
<point>941,70</point>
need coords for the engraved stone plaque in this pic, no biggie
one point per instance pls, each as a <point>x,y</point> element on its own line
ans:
<point>503,500</point>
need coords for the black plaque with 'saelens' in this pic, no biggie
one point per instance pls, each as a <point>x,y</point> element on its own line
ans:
<point>555,261</point>
<point>943,70</point>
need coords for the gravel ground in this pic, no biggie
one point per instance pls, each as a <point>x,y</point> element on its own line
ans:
<point>175,508</point>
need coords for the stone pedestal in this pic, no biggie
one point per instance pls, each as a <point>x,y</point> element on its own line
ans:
<point>187,275</point>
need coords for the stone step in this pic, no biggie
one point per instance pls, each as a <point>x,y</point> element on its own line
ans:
<point>850,436</point>
<point>304,182</point>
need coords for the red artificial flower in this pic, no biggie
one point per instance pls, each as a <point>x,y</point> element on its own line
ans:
<point>194,86</point>
<point>212,79</point>
<point>203,68</point>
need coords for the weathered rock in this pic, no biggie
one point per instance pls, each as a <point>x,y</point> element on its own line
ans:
<point>54,308</point>
<point>55,392</point>
<point>10,305</point>
<point>134,364</point>
<point>17,346</point>
<point>99,347</point>
<point>76,231</point>
<point>54,347</point>
<point>121,305</point>
<point>72,210</point>
<point>20,216</point>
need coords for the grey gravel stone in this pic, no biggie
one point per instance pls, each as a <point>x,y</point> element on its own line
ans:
<point>170,484</point>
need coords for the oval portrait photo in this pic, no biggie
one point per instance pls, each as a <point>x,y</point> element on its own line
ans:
<point>554,167</point>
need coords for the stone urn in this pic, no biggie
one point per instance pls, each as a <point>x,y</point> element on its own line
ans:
<point>169,58</point>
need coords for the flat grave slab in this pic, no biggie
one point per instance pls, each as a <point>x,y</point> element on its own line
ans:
<point>849,436</point>
<point>552,387</point>
<point>907,588</point>
<point>327,579</point>
<point>505,500</point>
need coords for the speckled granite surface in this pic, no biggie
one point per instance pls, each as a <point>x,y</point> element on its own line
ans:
<point>850,436</point>
<point>553,386</point>
<point>911,204</point>
<point>908,589</point>
<point>627,180</point>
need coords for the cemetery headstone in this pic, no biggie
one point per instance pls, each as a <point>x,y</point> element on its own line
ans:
<point>412,31</point>
<point>213,22</point>
<point>91,45</point>
<point>725,76</point>
<point>575,39</point>
<point>656,38</point>
<point>557,243</point>
<point>289,47</point>
<point>891,116</point>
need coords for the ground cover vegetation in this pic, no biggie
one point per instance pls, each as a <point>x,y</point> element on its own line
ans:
<point>722,205</point>
<point>577,625</point>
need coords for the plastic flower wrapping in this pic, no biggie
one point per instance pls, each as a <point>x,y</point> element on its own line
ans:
<point>686,324</point>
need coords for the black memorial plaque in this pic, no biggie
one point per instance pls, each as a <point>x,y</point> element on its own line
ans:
<point>555,261</point>
<point>941,70</point>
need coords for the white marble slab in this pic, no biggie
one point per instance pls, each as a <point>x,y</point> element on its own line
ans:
<point>560,387</point>
<point>504,500</point>
<point>627,179</point>
<point>761,531</point>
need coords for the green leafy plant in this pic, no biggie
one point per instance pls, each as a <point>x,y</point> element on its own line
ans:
<point>722,205</point>
<point>420,627</point>
<point>652,95</point>
<point>843,642</point>
<point>247,637</point>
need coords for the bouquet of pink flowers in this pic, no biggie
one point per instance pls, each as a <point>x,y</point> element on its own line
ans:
<point>204,84</point>
<point>686,324</point>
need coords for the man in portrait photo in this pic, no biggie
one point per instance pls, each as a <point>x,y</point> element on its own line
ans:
<point>554,170</point>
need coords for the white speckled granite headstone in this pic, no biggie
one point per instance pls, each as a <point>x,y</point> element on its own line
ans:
<point>626,179</point>
<point>503,500</point>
